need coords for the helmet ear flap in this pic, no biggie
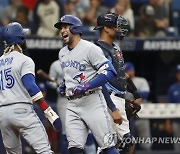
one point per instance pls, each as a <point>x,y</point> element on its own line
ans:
<point>76,29</point>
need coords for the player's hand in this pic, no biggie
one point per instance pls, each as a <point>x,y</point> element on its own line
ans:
<point>81,89</point>
<point>116,115</point>
<point>62,89</point>
<point>131,109</point>
<point>138,101</point>
<point>53,119</point>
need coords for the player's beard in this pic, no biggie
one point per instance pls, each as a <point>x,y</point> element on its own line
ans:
<point>70,40</point>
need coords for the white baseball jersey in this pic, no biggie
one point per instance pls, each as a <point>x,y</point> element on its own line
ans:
<point>77,63</point>
<point>141,84</point>
<point>12,68</point>
<point>55,71</point>
<point>15,100</point>
<point>89,112</point>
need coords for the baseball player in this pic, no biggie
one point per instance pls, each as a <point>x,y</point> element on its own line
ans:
<point>56,74</point>
<point>18,91</point>
<point>109,25</point>
<point>85,70</point>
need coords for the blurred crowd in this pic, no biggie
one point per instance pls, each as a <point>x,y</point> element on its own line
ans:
<point>147,18</point>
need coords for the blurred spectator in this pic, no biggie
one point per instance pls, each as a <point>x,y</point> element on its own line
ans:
<point>109,3</point>
<point>123,7</point>
<point>140,82</point>
<point>173,96</point>
<point>160,17</point>
<point>22,15</point>
<point>142,126</point>
<point>77,8</point>
<point>9,12</point>
<point>4,3</point>
<point>70,6</point>
<point>136,5</point>
<point>174,90</point>
<point>47,12</point>
<point>95,9</point>
<point>30,4</point>
<point>145,26</point>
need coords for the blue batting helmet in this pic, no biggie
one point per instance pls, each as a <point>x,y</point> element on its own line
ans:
<point>13,33</point>
<point>76,24</point>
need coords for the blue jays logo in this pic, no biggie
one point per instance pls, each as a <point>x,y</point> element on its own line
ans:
<point>62,18</point>
<point>79,77</point>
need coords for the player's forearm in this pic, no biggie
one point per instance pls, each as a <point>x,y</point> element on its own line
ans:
<point>108,99</point>
<point>100,80</point>
<point>105,73</point>
<point>50,114</point>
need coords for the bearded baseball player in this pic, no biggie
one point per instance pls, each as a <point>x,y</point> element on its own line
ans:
<point>109,25</point>
<point>85,70</point>
<point>56,74</point>
<point>18,91</point>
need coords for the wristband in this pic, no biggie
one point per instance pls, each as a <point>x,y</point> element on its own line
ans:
<point>43,105</point>
<point>37,96</point>
<point>50,114</point>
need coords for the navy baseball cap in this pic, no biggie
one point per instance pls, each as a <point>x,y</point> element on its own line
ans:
<point>128,66</point>
<point>109,20</point>
<point>178,68</point>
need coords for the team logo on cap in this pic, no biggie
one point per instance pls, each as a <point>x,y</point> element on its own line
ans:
<point>62,18</point>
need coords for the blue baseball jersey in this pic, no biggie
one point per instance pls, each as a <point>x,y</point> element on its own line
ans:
<point>174,93</point>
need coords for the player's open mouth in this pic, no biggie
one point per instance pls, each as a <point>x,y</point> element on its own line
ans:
<point>65,36</point>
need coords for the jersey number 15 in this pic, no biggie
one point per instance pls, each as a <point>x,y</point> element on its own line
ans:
<point>6,79</point>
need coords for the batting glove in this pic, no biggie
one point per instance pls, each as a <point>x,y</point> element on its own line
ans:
<point>53,119</point>
<point>81,89</point>
<point>62,88</point>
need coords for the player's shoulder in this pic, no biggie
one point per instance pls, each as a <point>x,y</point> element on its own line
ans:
<point>63,49</point>
<point>22,58</point>
<point>91,46</point>
<point>140,79</point>
<point>55,63</point>
<point>88,43</point>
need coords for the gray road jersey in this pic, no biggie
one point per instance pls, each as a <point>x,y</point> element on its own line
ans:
<point>12,68</point>
<point>80,64</point>
<point>55,71</point>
